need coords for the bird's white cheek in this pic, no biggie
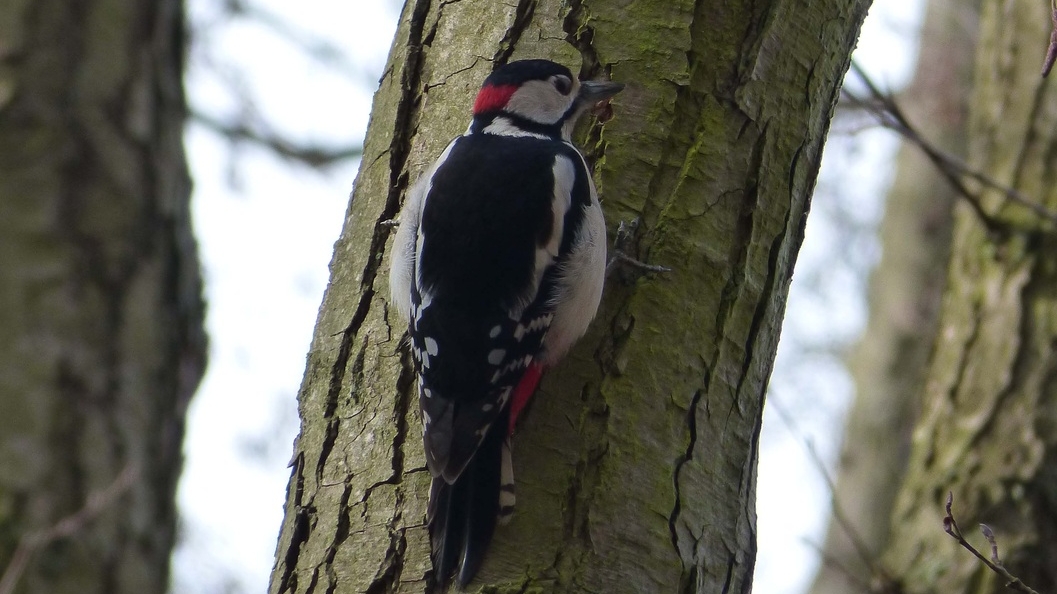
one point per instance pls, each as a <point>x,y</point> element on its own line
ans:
<point>537,100</point>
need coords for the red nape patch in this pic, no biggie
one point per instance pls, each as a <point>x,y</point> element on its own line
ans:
<point>493,98</point>
<point>524,391</point>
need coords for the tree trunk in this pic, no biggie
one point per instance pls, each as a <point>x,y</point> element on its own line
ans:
<point>889,363</point>
<point>990,401</point>
<point>101,336</point>
<point>636,465</point>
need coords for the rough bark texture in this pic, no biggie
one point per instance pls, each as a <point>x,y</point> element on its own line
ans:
<point>988,430</point>
<point>101,337</point>
<point>636,465</point>
<point>889,363</point>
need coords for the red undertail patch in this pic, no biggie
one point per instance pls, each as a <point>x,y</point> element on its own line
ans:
<point>493,98</point>
<point>524,391</point>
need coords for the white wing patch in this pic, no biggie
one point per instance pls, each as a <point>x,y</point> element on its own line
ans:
<point>564,178</point>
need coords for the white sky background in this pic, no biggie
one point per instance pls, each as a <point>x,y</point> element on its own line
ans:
<point>266,230</point>
<point>810,387</point>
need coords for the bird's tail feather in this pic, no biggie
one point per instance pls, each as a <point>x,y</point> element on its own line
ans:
<point>506,485</point>
<point>462,516</point>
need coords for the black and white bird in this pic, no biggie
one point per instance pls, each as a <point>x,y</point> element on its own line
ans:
<point>498,265</point>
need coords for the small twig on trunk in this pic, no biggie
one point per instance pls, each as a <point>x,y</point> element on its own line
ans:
<point>317,156</point>
<point>950,526</point>
<point>622,246</point>
<point>64,528</point>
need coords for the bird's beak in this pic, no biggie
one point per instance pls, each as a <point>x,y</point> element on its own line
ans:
<point>593,91</point>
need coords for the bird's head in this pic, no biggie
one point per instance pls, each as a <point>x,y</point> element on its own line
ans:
<point>538,97</point>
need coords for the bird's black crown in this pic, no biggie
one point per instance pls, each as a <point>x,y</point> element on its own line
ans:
<point>520,71</point>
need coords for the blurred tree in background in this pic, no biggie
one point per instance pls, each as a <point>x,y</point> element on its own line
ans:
<point>988,426</point>
<point>101,337</point>
<point>988,395</point>
<point>889,362</point>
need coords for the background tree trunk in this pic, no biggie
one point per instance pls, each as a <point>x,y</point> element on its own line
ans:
<point>101,337</point>
<point>889,363</point>
<point>636,466</point>
<point>990,401</point>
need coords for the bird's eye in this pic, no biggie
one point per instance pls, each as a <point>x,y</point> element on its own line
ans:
<point>562,83</point>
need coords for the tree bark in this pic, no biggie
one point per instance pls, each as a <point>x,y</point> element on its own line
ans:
<point>889,363</point>
<point>101,336</point>
<point>990,401</point>
<point>636,465</point>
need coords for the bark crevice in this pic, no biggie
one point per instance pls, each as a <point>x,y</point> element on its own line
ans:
<point>673,517</point>
<point>301,528</point>
<point>522,18</point>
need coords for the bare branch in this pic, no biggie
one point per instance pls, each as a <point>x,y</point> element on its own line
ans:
<point>1051,51</point>
<point>309,43</point>
<point>834,563</point>
<point>950,526</point>
<point>64,528</point>
<point>990,536</point>
<point>882,580</point>
<point>313,156</point>
<point>888,113</point>
<point>839,516</point>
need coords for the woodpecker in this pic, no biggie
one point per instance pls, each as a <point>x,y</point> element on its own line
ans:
<point>498,265</point>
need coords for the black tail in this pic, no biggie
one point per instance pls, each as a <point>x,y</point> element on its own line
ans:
<point>462,516</point>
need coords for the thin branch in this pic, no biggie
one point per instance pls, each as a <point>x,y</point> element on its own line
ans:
<point>835,564</point>
<point>310,43</point>
<point>950,526</point>
<point>841,518</point>
<point>64,528</point>
<point>312,156</point>
<point>888,113</point>
<point>991,540</point>
<point>879,573</point>
<point>1051,51</point>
